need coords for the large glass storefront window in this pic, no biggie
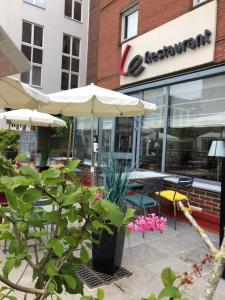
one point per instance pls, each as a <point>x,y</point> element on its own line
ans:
<point>196,118</point>
<point>82,138</point>
<point>152,131</point>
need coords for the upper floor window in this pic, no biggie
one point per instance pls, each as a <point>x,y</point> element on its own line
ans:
<point>32,48</point>
<point>197,2</point>
<point>73,9</point>
<point>129,23</point>
<point>40,3</point>
<point>70,62</point>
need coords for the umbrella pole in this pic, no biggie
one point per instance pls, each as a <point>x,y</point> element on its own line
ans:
<point>69,142</point>
<point>92,152</point>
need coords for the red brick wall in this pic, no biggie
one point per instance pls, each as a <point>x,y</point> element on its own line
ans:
<point>104,39</point>
<point>208,201</point>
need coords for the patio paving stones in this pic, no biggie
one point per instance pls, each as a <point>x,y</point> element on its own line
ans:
<point>146,258</point>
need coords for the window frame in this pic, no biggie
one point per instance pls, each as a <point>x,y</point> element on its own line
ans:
<point>71,56</point>
<point>33,46</point>
<point>124,15</point>
<point>72,12</point>
<point>35,4</point>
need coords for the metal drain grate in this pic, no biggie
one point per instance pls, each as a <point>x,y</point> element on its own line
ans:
<point>95,279</point>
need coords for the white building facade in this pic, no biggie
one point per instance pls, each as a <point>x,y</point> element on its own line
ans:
<point>53,35</point>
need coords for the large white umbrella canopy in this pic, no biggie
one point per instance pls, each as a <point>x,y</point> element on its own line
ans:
<point>31,118</point>
<point>96,101</point>
<point>15,94</point>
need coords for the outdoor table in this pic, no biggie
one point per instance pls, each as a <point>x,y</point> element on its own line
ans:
<point>136,174</point>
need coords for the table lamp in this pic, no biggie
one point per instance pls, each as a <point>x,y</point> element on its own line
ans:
<point>217,149</point>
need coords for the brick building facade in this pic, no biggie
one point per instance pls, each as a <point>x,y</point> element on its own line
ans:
<point>190,99</point>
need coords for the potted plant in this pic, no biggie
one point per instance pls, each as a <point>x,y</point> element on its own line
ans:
<point>73,217</point>
<point>9,143</point>
<point>107,252</point>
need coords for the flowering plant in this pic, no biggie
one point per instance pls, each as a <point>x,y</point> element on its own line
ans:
<point>151,222</point>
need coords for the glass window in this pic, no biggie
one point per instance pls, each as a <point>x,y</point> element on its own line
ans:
<point>66,44</point>
<point>124,135</point>
<point>77,11</point>
<point>68,8</point>
<point>37,56</point>
<point>26,35</point>
<point>152,131</point>
<point>65,81</point>
<point>38,35</point>
<point>26,51</point>
<point>36,76</point>
<point>76,47</point>
<point>32,48</point>
<point>129,23</point>
<point>40,3</point>
<point>73,9</point>
<point>82,138</point>
<point>70,62</point>
<point>196,119</point>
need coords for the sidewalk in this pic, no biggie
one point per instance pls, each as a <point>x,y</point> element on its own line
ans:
<point>146,258</point>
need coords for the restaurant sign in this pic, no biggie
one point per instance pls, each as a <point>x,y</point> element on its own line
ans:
<point>185,35</point>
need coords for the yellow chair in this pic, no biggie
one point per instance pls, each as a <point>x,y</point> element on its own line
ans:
<point>176,196</point>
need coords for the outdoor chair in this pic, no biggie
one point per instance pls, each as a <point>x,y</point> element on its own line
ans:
<point>146,199</point>
<point>174,196</point>
<point>135,186</point>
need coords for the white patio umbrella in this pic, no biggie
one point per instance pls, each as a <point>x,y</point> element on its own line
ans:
<point>12,60</point>
<point>31,118</point>
<point>92,101</point>
<point>15,94</point>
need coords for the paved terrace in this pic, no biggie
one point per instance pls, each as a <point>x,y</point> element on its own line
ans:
<point>145,258</point>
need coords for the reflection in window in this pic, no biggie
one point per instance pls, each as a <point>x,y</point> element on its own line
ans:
<point>40,3</point>
<point>152,131</point>
<point>82,138</point>
<point>124,135</point>
<point>196,119</point>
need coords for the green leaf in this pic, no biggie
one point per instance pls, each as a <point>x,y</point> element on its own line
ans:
<point>168,276</point>
<point>70,280</point>
<point>27,171</point>
<point>129,215</point>
<point>23,207</point>
<point>51,269</point>
<point>57,246</point>
<point>11,198</point>
<point>51,287</point>
<point>73,164</point>
<point>13,246</point>
<point>9,265</point>
<point>21,181</point>
<point>72,215</point>
<point>38,234</point>
<point>70,240</point>
<point>84,255</point>
<point>11,298</point>
<point>111,211</point>
<point>98,225</point>
<point>6,236</point>
<point>86,298</point>
<point>100,294</point>
<point>171,292</point>
<point>4,227</point>
<point>71,199</point>
<point>31,196</point>
<point>50,174</point>
<point>21,226</point>
<point>152,297</point>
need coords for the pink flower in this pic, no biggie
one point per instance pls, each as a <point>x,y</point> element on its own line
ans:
<point>99,196</point>
<point>151,222</point>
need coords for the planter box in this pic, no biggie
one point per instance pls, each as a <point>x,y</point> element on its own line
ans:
<point>107,255</point>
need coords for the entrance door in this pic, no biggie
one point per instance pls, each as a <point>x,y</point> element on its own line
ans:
<point>125,140</point>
